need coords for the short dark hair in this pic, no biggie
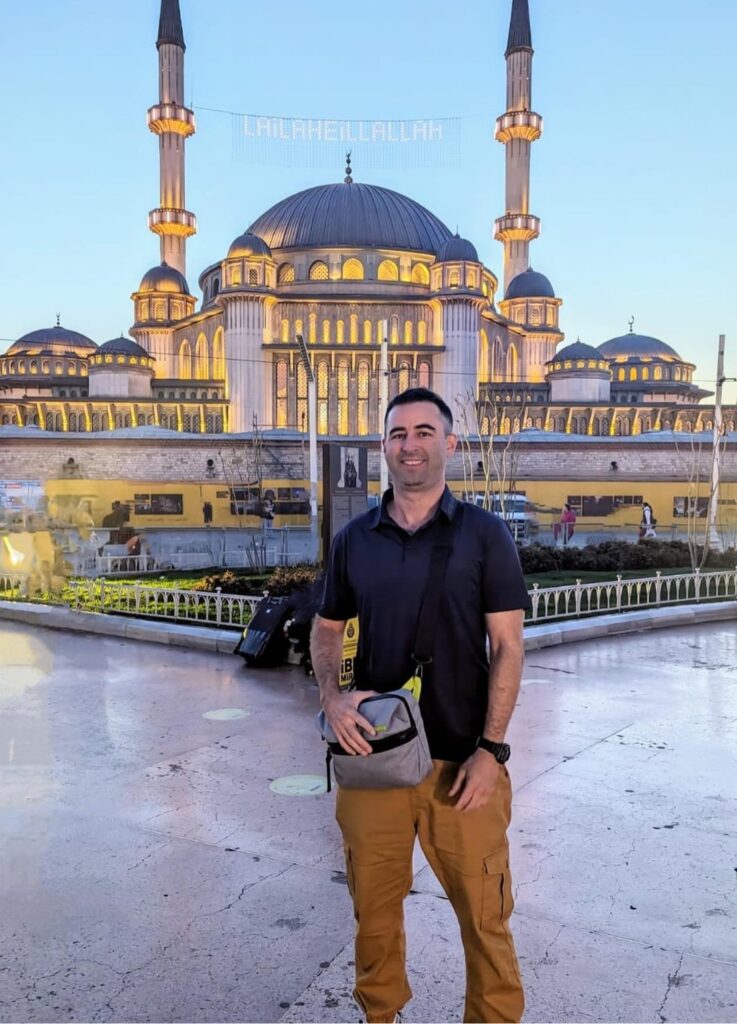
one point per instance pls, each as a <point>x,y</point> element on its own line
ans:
<point>413,395</point>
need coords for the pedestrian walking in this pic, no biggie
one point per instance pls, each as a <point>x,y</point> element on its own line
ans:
<point>567,523</point>
<point>378,569</point>
<point>648,523</point>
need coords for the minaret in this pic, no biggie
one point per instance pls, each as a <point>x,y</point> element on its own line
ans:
<point>516,129</point>
<point>173,123</point>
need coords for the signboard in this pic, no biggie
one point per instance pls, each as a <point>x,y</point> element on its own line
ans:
<point>350,649</point>
<point>345,486</point>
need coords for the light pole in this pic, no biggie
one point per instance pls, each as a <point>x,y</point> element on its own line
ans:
<point>714,540</point>
<point>383,402</point>
<point>312,427</point>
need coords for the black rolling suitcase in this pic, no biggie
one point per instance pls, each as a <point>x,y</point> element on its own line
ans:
<point>264,643</point>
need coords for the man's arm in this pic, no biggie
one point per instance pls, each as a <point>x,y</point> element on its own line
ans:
<point>326,651</point>
<point>478,775</point>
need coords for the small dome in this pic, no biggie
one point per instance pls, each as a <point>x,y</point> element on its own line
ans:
<point>636,345</point>
<point>530,285</point>
<point>123,346</point>
<point>164,279</point>
<point>54,340</point>
<point>457,248</point>
<point>248,245</point>
<point>578,350</point>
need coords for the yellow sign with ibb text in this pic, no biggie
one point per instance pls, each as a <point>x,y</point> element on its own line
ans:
<point>350,649</point>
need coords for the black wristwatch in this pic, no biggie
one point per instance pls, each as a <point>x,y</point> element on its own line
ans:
<point>501,751</point>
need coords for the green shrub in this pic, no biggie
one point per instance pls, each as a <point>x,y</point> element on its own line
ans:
<point>231,582</point>
<point>618,556</point>
<point>285,579</point>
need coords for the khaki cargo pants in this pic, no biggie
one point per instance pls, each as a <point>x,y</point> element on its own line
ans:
<point>469,854</point>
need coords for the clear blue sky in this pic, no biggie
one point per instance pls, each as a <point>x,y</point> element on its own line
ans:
<point>634,178</point>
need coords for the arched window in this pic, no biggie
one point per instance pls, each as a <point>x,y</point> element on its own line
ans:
<point>403,377</point>
<point>45,366</point>
<point>620,373</point>
<point>677,373</point>
<point>185,361</point>
<point>367,332</point>
<point>50,421</point>
<point>326,332</point>
<point>72,369</point>
<point>72,421</point>
<point>58,421</point>
<point>484,356</point>
<point>362,392</point>
<point>394,330</point>
<point>299,328</point>
<point>218,355</point>
<point>34,366</point>
<point>423,373</point>
<point>215,286</point>
<point>422,333</point>
<point>323,378</point>
<point>285,274</point>
<point>380,332</point>
<point>353,329</point>
<point>343,408</point>
<point>387,271</point>
<point>408,332</point>
<point>454,279</point>
<point>512,364</point>
<point>633,373</point>
<point>284,330</point>
<point>646,373</point>
<point>159,309</point>
<point>312,328</point>
<point>340,333</point>
<point>658,373</point>
<point>202,358</point>
<point>58,368</point>
<point>235,274</point>
<point>319,271</point>
<point>353,270</point>
<point>302,424</point>
<point>253,276</point>
<point>281,378</point>
<point>420,274</point>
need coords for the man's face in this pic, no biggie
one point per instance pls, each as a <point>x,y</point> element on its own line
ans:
<point>416,446</point>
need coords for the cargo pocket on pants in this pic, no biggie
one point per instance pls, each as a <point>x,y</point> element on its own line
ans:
<point>496,898</point>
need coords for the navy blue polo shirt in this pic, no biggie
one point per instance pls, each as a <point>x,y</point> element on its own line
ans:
<point>378,571</point>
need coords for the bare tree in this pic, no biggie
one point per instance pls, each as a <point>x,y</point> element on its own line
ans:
<point>490,456</point>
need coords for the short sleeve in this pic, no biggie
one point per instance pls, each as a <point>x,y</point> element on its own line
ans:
<point>338,600</point>
<point>504,586</point>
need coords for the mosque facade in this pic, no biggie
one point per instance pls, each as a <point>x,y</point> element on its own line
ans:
<point>345,266</point>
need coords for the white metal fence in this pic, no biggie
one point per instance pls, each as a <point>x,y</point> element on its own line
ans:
<point>620,595</point>
<point>548,603</point>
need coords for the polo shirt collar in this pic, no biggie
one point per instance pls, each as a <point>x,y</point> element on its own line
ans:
<point>447,507</point>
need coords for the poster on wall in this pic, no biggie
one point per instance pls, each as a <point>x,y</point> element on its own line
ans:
<point>345,486</point>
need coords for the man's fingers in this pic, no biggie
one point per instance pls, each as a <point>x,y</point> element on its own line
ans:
<point>363,723</point>
<point>458,782</point>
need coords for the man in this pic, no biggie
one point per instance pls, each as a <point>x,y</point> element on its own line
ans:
<point>378,570</point>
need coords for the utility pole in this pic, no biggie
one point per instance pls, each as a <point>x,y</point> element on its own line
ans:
<point>383,402</point>
<point>713,538</point>
<point>312,427</point>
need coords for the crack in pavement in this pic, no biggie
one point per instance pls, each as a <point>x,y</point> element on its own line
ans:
<point>673,980</point>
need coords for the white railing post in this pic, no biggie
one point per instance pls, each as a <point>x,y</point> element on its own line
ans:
<point>218,605</point>
<point>697,584</point>
<point>535,598</point>
<point>618,591</point>
<point>578,598</point>
<point>658,585</point>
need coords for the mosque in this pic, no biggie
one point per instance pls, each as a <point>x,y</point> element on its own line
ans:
<point>345,265</point>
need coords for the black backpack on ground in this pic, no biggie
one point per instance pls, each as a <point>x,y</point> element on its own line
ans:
<point>264,642</point>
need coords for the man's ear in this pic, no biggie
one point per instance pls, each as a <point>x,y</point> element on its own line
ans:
<point>451,443</point>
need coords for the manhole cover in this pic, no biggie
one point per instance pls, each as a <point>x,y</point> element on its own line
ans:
<point>299,785</point>
<point>225,714</point>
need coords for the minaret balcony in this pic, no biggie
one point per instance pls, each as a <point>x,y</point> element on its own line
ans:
<point>165,221</point>
<point>516,227</point>
<point>519,124</point>
<point>170,117</point>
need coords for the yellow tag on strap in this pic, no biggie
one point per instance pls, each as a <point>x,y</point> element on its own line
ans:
<point>414,685</point>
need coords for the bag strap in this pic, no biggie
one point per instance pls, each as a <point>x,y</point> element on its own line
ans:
<point>430,608</point>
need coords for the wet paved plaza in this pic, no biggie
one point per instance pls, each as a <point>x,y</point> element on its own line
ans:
<point>151,870</point>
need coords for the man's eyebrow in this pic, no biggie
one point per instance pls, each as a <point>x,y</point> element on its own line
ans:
<point>425,426</point>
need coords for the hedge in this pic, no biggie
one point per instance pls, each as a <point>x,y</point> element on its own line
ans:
<point>617,556</point>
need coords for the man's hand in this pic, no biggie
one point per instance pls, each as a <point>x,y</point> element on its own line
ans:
<point>475,781</point>
<point>346,722</point>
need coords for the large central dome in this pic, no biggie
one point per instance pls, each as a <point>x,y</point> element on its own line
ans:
<point>350,215</point>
